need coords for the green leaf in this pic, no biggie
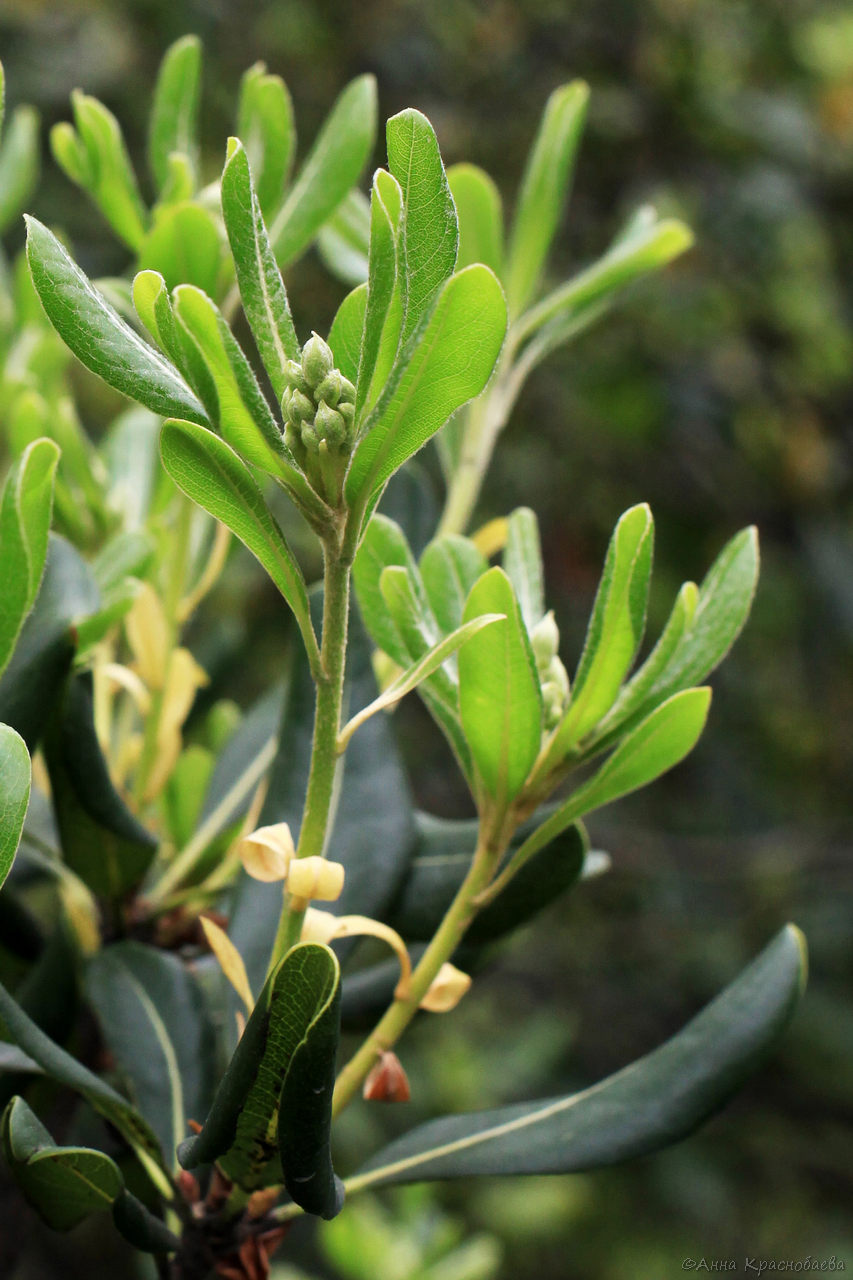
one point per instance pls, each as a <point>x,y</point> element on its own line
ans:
<point>447,361</point>
<point>19,165</point>
<point>449,566</point>
<point>173,124</point>
<point>25,510</point>
<point>342,241</point>
<point>185,246</point>
<point>384,544</point>
<point>442,859</point>
<point>656,745</point>
<point>155,1025</point>
<point>261,286</point>
<point>653,1103</point>
<point>382,320</point>
<point>60,1066</point>
<point>615,628</point>
<point>480,213</point>
<point>35,677</point>
<point>208,470</point>
<point>345,333</point>
<point>65,1185</point>
<point>101,164</point>
<point>522,562</point>
<point>499,697</point>
<point>98,336</point>
<point>544,189</point>
<point>266,125</point>
<point>243,415</point>
<point>430,233</point>
<point>333,166</point>
<point>416,674</point>
<point>102,841</point>
<point>14,795</point>
<point>275,1066</point>
<point>627,259</point>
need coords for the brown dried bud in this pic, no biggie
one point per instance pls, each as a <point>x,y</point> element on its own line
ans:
<point>387,1081</point>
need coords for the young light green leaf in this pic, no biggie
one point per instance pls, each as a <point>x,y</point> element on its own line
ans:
<point>279,1082</point>
<point>19,164</point>
<point>14,795</point>
<point>185,246</point>
<point>384,544</point>
<point>627,259</point>
<point>98,336</point>
<point>650,1104</point>
<point>345,333</point>
<point>480,213</point>
<point>410,679</point>
<point>381,282</point>
<point>342,241</point>
<point>208,470</point>
<point>102,165</point>
<point>522,562</point>
<point>333,166</point>
<point>173,124</point>
<point>65,1185</point>
<point>544,189</point>
<point>449,567</point>
<point>243,415</point>
<point>615,628</point>
<point>657,744</point>
<point>155,1025</point>
<point>25,510</point>
<point>499,697</point>
<point>261,286</point>
<point>266,125</point>
<point>447,361</point>
<point>430,233</point>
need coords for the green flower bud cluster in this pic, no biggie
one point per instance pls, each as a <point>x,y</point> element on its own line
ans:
<point>553,677</point>
<point>318,408</point>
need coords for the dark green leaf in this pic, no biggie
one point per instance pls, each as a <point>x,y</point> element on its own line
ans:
<point>155,1025</point>
<point>173,125</point>
<point>333,166</point>
<point>261,286</point>
<point>14,795</point>
<point>141,1227</point>
<point>656,1101</point>
<point>25,510</point>
<point>98,336</point>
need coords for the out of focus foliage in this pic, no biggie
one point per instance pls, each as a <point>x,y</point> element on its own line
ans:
<point>723,397</point>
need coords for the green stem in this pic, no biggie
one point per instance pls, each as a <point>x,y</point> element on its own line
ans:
<point>327,722</point>
<point>396,1019</point>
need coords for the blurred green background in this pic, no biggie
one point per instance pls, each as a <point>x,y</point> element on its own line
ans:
<point>722,395</point>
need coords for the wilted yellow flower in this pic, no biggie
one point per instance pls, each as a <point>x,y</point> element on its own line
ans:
<point>315,878</point>
<point>266,853</point>
<point>448,987</point>
<point>148,636</point>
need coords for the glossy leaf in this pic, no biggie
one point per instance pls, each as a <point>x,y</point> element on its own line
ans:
<point>651,1104</point>
<point>449,567</point>
<point>441,860</point>
<point>447,362</point>
<point>19,164</point>
<point>342,241</point>
<point>334,165</point>
<point>25,510</point>
<point>261,286</point>
<point>173,124</point>
<point>522,562</point>
<point>14,795</point>
<point>265,124</point>
<point>480,214</point>
<point>208,470</point>
<point>499,697</point>
<point>282,1072</point>
<point>430,232</point>
<point>98,336</point>
<point>615,628</point>
<point>185,246</point>
<point>154,1023</point>
<point>65,1185</point>
<point>544,189</point>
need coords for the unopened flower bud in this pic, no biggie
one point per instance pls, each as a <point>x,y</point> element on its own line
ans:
<point>329,425</point>
<point>448,987</point>
<point>330,388</point>
<point>266,853</point>
<point>557,674</point>
<point>315,877</point>
<point>545,640</point>
<point>309,439</point>
<point>317,360</point>
<point>297,407</point>
<point>347,412</point>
